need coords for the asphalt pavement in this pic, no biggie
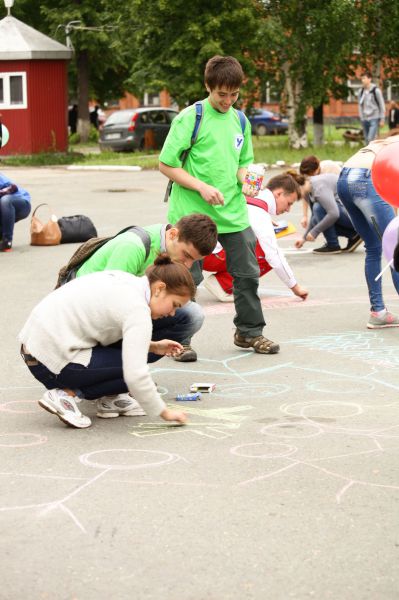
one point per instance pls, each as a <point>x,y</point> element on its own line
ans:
<point>285,482</point>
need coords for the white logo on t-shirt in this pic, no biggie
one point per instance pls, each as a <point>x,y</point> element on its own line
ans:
<point>238,141</point>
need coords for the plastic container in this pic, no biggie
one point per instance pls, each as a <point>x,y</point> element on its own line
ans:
<point>254,177</point>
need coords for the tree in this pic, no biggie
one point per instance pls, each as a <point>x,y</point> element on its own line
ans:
<point>100,62</point>
<point>175,40</point>
<point>379,40</point>
<point>308,44</point>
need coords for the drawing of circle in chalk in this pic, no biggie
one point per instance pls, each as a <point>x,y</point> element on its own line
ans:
<point>347,385</point>
<point>300,429</point>
<point>262,390</point>
<point>323,409</point>
<point>16,440</point>
<point>121,459</point>
<point>264,450</point>
<point>14,406</point>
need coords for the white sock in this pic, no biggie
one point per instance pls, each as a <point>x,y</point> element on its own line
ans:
<point>380,313</point>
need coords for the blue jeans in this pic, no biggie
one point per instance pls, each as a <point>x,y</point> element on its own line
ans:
<point>370,129</point>
<point>343,226</point>
<point>180,328</point>
<point>102,377</point>
<point>356,191</point>
<point>13,208</point>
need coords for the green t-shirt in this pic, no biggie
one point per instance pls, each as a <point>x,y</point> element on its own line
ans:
<point>215,157</point>
<point>125,252</point>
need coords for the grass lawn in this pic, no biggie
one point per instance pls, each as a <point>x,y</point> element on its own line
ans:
<point>267,149</point>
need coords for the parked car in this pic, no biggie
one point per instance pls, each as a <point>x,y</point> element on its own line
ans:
<point>265,122</point>
<point>127,130</point>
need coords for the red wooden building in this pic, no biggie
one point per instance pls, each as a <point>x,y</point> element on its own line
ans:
<point>33,89</point>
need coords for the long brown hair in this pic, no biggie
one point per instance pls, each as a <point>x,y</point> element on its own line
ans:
<point>175,276</point>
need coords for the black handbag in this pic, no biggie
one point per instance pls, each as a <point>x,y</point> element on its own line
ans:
<point>77,228</point>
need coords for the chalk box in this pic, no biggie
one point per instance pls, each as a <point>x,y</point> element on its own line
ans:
<point>202,387</point>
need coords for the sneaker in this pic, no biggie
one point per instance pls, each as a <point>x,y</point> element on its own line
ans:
<point>260,344</point>
<point>5,246</point>
<point>353,243</point>
<point>188,354</point>
<point>328,250</point>
<point>387,320</point>
<point>214,287</point>
<point>122,405</point>
<point>59,403</point>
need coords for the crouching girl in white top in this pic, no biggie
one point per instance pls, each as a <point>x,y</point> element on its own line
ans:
<point>90,338</point>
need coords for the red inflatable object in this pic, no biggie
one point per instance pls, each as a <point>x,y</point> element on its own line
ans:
<point>385,173</point>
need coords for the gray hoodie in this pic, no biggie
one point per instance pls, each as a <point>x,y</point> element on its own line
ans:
<point>371,104</point>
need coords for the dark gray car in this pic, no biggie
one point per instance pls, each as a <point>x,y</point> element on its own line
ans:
<point>125,130</point>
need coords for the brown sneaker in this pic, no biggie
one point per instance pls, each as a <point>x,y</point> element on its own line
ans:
<point>188,354</point>
<point>260,344</point>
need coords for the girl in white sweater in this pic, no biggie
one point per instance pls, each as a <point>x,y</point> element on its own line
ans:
<point>90,338</point>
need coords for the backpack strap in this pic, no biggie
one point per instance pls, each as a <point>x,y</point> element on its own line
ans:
<point>257,202</point>
<point>185,153</point>
<point>374,92</point>
<point>199,111</point>
<point>143,235</point>
<point>243,120</point>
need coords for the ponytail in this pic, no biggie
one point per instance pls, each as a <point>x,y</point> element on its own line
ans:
<point>175,276</point>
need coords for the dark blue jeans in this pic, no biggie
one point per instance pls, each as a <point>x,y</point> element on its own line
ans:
<point>180,328</point>
<point>102,377</point>
<point>357,192</point>
<point>343,226</point>
<point>13,208</point>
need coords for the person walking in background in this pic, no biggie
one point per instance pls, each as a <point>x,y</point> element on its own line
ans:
<point>15,205</point>
<point>371,107</point>
<point>70,341</point>
<point>93,115</point>
<point>370,215</point>
<point>211,182</point>
<point>393,115</point>
<point>277,198</point>
<point>73,118</point>
<point>329,216</point>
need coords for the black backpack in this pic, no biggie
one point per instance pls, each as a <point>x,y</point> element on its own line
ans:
<point>87,249</point>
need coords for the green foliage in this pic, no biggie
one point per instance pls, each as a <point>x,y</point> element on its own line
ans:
<point>174,40</point>
<point>93,135</point>
<point>316,39</point>
<point>379,39</point>
<point>105,27</point>
<point>74,138</point>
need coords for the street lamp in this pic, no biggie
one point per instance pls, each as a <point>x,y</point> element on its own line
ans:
<point>9,4</point>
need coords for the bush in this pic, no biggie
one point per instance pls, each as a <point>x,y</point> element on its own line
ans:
<point>74,138</point>
<point>93,135</point>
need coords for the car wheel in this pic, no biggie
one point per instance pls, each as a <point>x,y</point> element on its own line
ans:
<point>261,130</point>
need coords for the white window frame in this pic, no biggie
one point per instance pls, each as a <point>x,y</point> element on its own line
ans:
<point>391,90</point>
<point>269,92</point>
<point>151,99</point>
<point>6,90</point>
<point>355,86</point>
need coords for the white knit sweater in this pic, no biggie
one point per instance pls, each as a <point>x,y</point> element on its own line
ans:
<point>100,308</point>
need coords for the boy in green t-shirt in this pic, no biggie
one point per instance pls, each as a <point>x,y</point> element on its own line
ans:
<point>210,182</point>
<point>190,239</point>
